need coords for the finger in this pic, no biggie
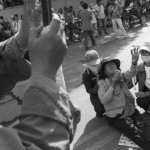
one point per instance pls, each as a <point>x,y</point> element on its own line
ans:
<point>55,24</point>
<point>29,12</point>
<point>38,15</point>
<point>35,32</point>
<point>132,52</point>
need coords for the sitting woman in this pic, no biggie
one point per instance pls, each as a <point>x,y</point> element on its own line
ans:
<point>119,102</point>
<point>143,78</point>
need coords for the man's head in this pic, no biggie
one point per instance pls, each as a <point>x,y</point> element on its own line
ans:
<point>13,18</point>
<point>65,9</point>
<point>71,8</point>
<point>99,2</point>
<point>145,52</point>
<point>60,11</point>
<point>81,3</point>
<point>85,6</point>
<point>92,5</point>
<point>16,16</point>
<point>92,60</point>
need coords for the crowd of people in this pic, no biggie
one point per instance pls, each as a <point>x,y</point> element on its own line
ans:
<point>10,3</point>
<point>48,118</point>
<point>8,29</point>
<point>96,18</point>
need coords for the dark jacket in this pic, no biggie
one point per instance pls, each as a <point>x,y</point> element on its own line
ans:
<point>90,81</point>
<point>141,77</point>
<point>13,66</point>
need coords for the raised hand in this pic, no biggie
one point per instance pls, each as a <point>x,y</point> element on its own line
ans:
<point>47,51</point>
<point>135,55</point>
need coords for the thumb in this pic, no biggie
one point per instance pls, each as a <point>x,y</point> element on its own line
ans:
<point>35,32</point>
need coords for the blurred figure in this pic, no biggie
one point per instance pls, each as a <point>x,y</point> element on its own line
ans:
<point>86,18</point>
<point>100,17</point>
<point>61,14</point>
<point>136,6</point>
<point>72,11</point>
<point>114,12</point>
<point>94,21</point>
<point>80,8</point>
<point>16,23</point>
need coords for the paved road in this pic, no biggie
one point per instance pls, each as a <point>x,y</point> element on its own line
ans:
<point>92,133</point>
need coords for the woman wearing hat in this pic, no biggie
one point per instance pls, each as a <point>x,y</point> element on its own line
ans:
<point>143,79</point>
<point>89,78</point>
<point>119,102</point>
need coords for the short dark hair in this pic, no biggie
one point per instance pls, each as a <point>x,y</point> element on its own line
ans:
<point>85,6</point>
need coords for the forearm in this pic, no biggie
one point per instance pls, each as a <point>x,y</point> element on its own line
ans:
<point>132,72</point>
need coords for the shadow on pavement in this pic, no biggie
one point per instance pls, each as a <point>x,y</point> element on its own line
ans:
<point>98,135</point>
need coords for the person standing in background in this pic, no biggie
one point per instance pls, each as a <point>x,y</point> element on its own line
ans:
<point>114,12</point>
<point>100,17</point>
<point>61,14</point>
<point>94,21</point>
<point>86,17</point>
<point>16,23</point>
<point>80,9</point>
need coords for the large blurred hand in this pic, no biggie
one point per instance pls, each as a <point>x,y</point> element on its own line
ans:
<point>31,14</point>
<point>47,51</point>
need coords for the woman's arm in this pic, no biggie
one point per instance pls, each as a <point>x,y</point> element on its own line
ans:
<point>133,69</point>
<point>129,74</point>
<point>105,95</point>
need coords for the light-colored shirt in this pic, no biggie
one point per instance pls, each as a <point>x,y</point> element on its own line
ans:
<point>100,11</point>
<point>147,82</point>
<point>86,17</point>
<point>114,103</point>
<point>93,16</point>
